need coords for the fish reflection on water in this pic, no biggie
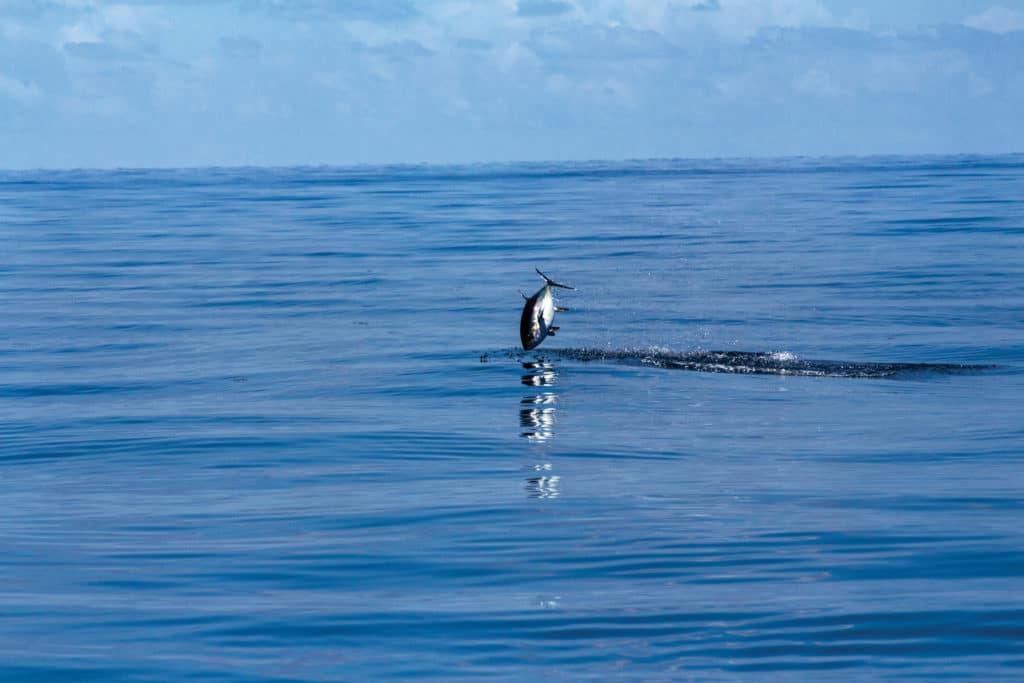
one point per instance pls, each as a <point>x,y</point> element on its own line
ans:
<point>543,484</point>
<point>537,409</point>
<point>537,420</point>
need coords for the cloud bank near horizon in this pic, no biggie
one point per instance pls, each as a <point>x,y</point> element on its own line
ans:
<point>160,83</point>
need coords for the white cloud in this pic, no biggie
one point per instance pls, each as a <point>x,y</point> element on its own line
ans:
<point>96,23</point>
<point>669,73</point>
<point>733,20</point>
<point>741,19</point>
<point>997,19</point>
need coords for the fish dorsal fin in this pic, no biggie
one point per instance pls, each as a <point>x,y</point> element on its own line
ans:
<point>551,282</point>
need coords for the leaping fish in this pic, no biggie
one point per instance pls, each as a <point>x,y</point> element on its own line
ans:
<point>539,313</point>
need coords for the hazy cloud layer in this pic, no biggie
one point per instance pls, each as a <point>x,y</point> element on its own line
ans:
<point>344,81</point>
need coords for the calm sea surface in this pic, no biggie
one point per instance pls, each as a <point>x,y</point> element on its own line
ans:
<point>275,424</point>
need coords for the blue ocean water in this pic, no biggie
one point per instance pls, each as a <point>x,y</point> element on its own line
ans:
<point>275,424</point>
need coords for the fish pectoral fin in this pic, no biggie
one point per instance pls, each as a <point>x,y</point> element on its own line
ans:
<point>559,309</point>
<point>551,330</point>
<point>525,298</point>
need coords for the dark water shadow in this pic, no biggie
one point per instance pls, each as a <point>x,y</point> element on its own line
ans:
<point>757,363</point>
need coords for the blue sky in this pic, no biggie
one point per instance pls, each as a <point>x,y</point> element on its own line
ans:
<point>277,82</point>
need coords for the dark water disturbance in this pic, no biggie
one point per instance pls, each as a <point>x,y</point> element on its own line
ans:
<point>246,433</point>
<point>761,363</point>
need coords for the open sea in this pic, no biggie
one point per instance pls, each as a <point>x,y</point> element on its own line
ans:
<point>274,424</point>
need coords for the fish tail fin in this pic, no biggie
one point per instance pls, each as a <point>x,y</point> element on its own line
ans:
<point>551,282</point>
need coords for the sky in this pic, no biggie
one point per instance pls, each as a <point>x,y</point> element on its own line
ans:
<point>185,83</point>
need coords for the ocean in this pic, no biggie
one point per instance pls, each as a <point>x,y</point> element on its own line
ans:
<point>275,424</point>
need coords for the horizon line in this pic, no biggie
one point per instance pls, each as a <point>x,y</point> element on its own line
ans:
<point>509,162</point>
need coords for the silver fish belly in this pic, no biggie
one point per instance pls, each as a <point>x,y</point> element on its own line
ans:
<point>535,324</point>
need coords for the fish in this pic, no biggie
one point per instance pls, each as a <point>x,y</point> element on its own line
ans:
<point>538,314</point>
